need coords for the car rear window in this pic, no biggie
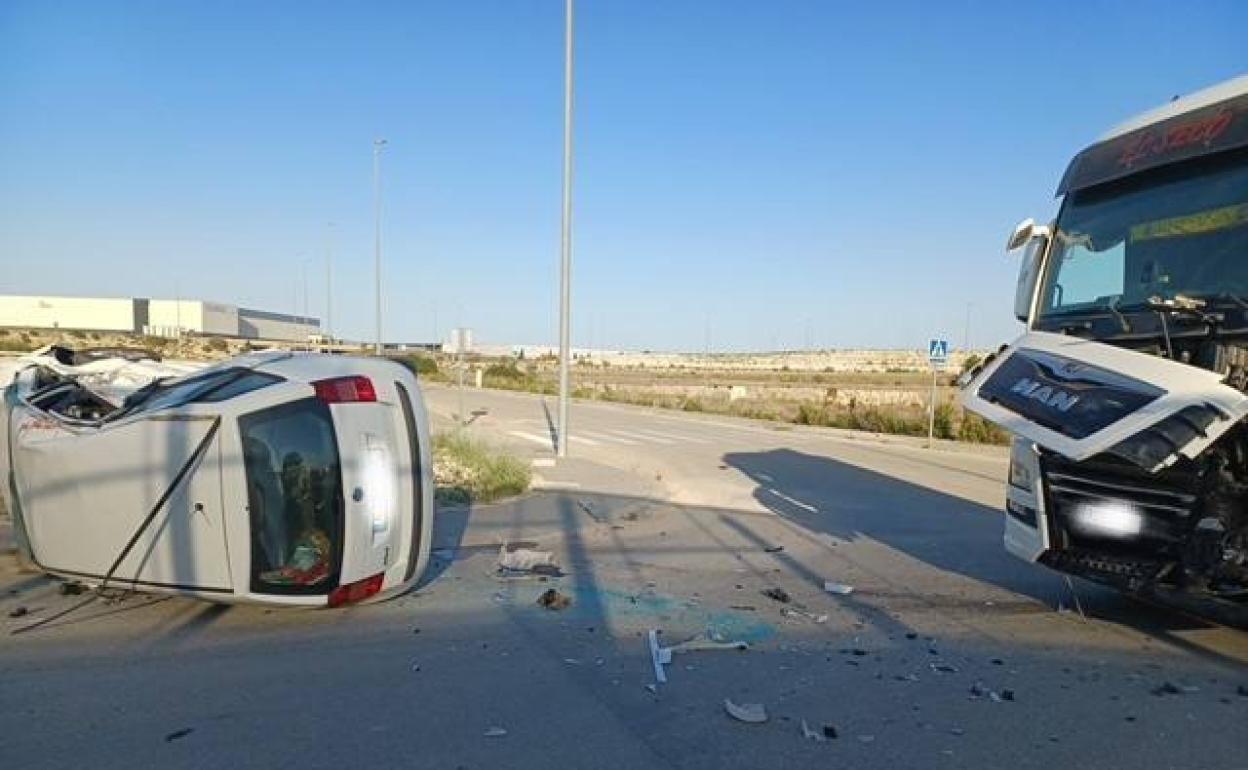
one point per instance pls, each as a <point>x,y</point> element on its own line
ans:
<point>294,495</point>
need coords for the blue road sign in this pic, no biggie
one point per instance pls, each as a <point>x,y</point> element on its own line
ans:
<point>938,351</point>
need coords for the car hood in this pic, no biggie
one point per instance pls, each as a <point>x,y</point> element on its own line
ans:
<point>1081,398</point>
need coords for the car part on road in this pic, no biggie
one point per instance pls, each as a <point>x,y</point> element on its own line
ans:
<point>840,589</point>
<point>752,713</point>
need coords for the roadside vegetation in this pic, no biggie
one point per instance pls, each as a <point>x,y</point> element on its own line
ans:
<point>820,399</point>
<point>466,470</point>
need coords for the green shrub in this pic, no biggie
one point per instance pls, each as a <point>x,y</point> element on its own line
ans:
<point>942,424</point>
<point>420,365</point>
<point>976,429</point>
<point>505,371</point>
<point>692,404</point>
<point>467,470</point>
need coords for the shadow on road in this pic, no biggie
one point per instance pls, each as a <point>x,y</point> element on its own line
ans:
<point>822,495</point>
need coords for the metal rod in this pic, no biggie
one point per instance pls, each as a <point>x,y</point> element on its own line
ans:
<point>565,246</point>
<point>931,410</point>
<point>377,145</point>
<point>329,281</point>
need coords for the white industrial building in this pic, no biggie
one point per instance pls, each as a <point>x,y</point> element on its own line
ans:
<point>158,317</point>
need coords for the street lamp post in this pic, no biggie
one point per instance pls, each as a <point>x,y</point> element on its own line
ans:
<point>329,281</point>
<point>378,144</point>
<point>565,241</point>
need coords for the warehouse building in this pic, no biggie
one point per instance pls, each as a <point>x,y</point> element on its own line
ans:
<point>157,317</point>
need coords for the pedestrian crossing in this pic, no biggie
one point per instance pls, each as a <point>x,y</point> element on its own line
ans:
<point>537,432</point>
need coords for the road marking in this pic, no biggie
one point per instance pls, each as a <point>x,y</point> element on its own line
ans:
<point>609,438</point>
<point>766,478</point>
<point>583,440</point>
<point>640,437</point>
<point>540,483</point>
<point>543,462</point>
<point>536,439</point>
<point>674,437</point>
<point>792,501</point>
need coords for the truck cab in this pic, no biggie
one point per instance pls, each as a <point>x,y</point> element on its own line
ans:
<point>1125,396</point>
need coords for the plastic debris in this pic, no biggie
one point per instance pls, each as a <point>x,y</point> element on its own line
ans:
<point>778,594</point>
<point>495,732</point>
<point>659,656</point>
<point>812,735</point>
<point>552,600</point>
<point>840,589</point>
<point>524,559</point>
<point>789,612</point>
<point>753,713</point>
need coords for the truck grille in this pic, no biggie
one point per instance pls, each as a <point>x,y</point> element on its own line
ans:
<point>1165,499</point>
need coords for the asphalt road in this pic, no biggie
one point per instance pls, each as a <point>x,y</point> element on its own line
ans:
<point>670,522</point>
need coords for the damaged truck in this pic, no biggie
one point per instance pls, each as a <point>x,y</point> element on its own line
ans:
<point>277,478</point>
<point>1127,393</point>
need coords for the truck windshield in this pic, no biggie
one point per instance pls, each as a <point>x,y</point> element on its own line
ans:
<point>1179,230</point>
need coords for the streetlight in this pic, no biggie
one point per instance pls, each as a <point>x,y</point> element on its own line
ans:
<point>565,241</point>
<point>329,280</point>
<point>378,144</point>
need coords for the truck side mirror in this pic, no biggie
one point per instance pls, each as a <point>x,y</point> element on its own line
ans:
<point>1036,239</point>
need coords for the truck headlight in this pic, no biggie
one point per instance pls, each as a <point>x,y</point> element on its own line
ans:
<point>1024,465</point>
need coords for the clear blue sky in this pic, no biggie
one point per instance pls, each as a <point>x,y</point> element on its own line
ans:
<point>771,171</point>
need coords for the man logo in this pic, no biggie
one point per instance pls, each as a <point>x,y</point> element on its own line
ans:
<point>1045,394</point>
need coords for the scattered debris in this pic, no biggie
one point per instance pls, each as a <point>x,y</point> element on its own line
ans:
<point>997,662</point>
<point>773,549</point>
<point>778,594</point>
<point>743,607</point>
<point>911,635</point>
<point>179,734</point>
<point>661,656</point>
<point>1170,688</point>
<point>653,689</point>
<point>789,612</point>
<point>495,732</point>
<point>812,735</point>
<point>840,589</point>
<point>754,713</point>
<point>552,600</point>
<point>524,559</point>
<point>943,668</point>
<point>591,513</point>
<point>73,588</point>
<point>829,732</point>
<point>18,611</point>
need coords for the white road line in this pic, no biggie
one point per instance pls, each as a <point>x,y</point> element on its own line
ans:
<point>536,439</point>
<point>540,483</point>
<point>682,439</point>
<point>543,462</point>
<point>582,440</point>
<point>640,437</point>
<point>792,501</point>
<point>609,438</point>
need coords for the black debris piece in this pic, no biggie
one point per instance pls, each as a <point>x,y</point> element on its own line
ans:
<point>551,599</point>
<point>829,732</point>
<point>18,612</point>
<point>773,549</point>
<point>72,589</point>
<point>179,734</point>
<point>778,594</point>
<point>1007,695</point>
<point>997,662</point>
<point>911,635</point>
<point>1242,691</point>
<point>1166,688</point>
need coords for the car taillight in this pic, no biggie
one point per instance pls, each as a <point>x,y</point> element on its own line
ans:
<point>345,390</point>
<point>357,591</point>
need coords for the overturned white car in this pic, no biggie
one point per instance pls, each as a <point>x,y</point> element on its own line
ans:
<point>1126,396</point>
<point>290,479</point>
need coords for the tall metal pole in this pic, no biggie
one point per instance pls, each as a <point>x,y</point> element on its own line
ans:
<point>565,246</point>
<point>377,145</point>
<point>329,281</point>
